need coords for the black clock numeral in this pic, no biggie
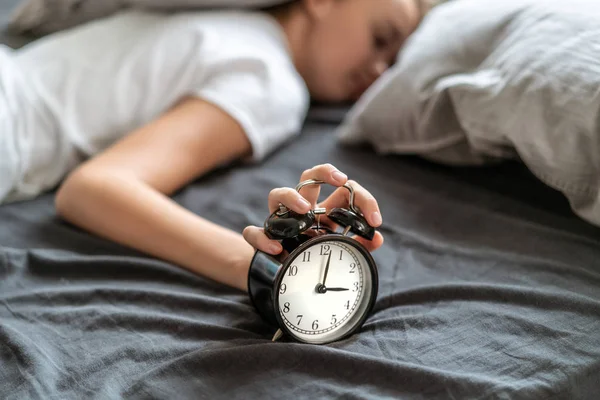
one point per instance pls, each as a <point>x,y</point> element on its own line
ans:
<point>293,271</point>
<point>299,316</point>
<point>352,268</point>
<point>325,250</point>
<point>341,254</point>
<point>315,324</point>
<point>282,288</point>
<point>347,305</point>
<point>355,289</point>
<point>306,256</point>
<point>333,319</point>
<point>286,307</point>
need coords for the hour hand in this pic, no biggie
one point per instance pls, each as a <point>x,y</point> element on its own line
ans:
<point>337,289</point>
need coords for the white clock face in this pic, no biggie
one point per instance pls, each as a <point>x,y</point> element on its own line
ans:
<point>319,303</point>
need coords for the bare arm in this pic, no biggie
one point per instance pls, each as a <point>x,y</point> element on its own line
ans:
<point>122,194</point>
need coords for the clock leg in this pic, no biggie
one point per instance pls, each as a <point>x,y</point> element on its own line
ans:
<point>277,335</point>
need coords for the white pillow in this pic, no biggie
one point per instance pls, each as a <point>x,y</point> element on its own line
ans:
<point>41,17</point>
<point>484,80</point>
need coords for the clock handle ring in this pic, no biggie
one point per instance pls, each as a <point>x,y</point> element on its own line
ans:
<point>319,182</point>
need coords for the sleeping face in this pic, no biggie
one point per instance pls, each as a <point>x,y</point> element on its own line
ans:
<point>350,43</point>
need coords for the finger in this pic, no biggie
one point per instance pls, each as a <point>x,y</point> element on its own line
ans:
<point>371,245</point>
<point>324,172</point>
<point>363,199</point>
<point>289,198</point>
<point>257,239</point>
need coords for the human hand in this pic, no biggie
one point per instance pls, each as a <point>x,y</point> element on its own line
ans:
<point>305,200</point>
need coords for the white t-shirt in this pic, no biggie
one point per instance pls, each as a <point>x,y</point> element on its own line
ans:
<point>95,83</point>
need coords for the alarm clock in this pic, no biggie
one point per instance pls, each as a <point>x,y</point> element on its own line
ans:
<point>324,283</point>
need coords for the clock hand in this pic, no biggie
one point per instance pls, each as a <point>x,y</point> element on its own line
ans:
<point>327,268</point>
<point>321,286</point>
<point>336,289</point>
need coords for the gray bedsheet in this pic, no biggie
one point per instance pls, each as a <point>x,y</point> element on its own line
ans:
<point>489,288</point>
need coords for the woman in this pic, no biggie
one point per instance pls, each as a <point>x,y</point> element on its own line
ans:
<point>133,107</point>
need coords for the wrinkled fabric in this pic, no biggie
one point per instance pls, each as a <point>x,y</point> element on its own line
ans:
<point>489,289</point>
<point>482,81</point>
<point>484,294</point>
<point>42,17</point>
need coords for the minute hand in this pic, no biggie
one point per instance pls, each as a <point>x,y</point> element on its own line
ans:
<point>326,268</point>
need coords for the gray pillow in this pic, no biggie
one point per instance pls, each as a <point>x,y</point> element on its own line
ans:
<point>483,80</point>
<point>41,17</point>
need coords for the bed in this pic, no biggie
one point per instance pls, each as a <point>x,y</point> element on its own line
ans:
<point>489,288</point>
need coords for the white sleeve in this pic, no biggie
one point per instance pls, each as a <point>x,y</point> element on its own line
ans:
<point>269,101</point>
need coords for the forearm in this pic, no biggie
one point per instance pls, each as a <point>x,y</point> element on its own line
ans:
<point>128,211</point>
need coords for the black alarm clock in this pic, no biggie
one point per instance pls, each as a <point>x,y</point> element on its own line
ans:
<point>324,283</point>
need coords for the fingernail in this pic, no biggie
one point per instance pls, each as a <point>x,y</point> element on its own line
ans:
<point>376,218</point>
<point>339,177</point>
<point>303,203</point>
<point>274,248</point>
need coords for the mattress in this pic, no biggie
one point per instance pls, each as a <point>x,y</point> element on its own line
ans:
<point>489,287</point>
